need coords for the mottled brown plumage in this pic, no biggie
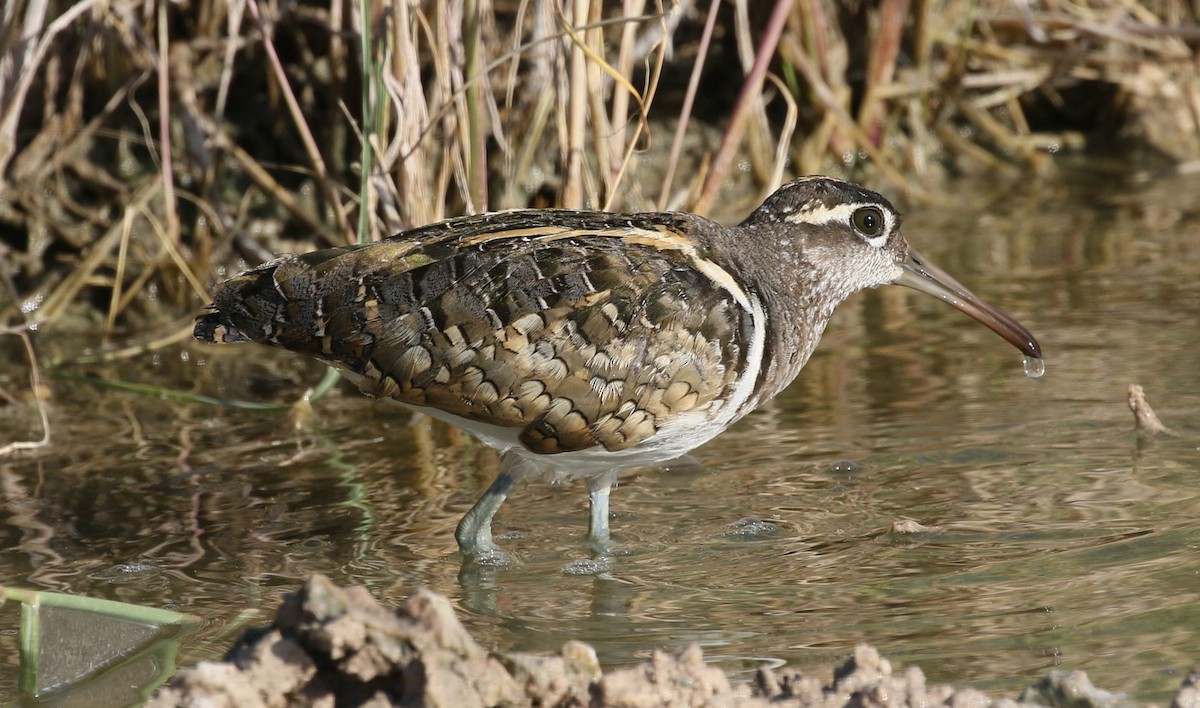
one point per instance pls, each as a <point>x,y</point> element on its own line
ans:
<point>529,320</point>
<point>583,341</point>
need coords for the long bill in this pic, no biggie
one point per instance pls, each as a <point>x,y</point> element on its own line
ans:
<point>920,274</point>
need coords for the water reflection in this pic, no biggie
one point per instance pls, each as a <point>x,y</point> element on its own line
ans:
<point>1053,540</point>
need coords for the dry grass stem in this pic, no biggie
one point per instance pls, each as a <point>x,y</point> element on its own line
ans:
<point>248,142</point>
<point>748,95</point>
<point>35,387</point>
<point>302,128</point>
<point>689,98</point>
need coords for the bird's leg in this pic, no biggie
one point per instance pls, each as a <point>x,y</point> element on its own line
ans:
<point>599,488</point>
<point>474,532</point>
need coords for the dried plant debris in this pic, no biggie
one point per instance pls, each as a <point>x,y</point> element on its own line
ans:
<point>1145,419</point>
<point>334,646</point>
<point>908,526</point>
<point>127,183</point>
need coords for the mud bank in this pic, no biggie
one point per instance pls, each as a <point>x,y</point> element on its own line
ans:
<point>337,646</point>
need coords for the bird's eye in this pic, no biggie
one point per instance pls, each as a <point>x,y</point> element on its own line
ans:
<point>868,221</point>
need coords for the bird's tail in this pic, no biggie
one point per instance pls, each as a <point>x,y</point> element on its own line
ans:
<point>277,304</point>
<point>216,327</point>
<point>244,298</point>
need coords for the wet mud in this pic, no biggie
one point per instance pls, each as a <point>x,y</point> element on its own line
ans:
<point>337,646</point>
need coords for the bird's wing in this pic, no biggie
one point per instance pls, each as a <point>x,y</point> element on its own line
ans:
<point>582,329</point>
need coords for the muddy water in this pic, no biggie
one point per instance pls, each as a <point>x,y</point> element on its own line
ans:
<point>1055,541</point>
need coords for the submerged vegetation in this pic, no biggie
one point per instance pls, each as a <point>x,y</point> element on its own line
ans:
<point>146,147</point>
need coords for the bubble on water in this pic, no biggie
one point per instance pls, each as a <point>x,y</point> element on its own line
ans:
<point>587,566</point>
<point>751,527</point>
<point>1034,367</point>
<point>844,467</point>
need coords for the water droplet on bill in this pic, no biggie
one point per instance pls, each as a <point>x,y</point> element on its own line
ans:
<point>1034,367</point>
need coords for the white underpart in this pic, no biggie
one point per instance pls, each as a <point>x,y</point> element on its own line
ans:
<point>842,214</point>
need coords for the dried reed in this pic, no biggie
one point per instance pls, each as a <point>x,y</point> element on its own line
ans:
<point>470,105</point>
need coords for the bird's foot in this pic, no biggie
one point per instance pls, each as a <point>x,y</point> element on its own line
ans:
<point>601,545</point>
<point>474,532</point>
<point>493,556</point>
<point>477,546</point>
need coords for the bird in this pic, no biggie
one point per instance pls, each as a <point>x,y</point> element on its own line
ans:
<point>578,343</point>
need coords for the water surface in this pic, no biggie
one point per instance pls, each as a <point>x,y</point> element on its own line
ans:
<point>1055,540</point>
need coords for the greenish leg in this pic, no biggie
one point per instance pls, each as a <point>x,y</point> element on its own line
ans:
<point>599,533</point>
<point>474,532</point>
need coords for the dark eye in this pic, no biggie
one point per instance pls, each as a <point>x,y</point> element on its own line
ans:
<point>868,221</point>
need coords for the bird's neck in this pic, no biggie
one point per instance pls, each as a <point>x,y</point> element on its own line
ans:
<point>798,296</point>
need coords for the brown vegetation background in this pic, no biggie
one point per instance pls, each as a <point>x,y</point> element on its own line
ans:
<point>148,147</point>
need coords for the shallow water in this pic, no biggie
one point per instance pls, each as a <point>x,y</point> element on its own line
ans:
<point>1054,541</point>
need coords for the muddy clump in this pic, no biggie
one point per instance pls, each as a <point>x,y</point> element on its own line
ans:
<point>337,646</point>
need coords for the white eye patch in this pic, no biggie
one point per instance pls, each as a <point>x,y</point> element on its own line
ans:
<point>843,214</point>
